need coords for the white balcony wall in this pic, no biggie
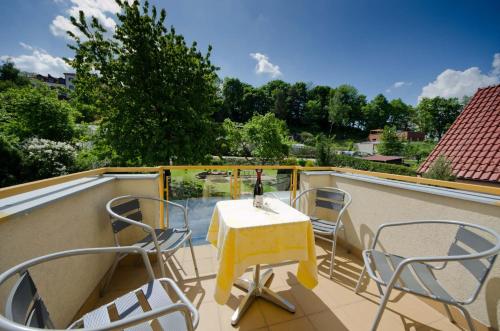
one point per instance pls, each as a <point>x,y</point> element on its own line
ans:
<point>72,217</point>
<point>375,202</point>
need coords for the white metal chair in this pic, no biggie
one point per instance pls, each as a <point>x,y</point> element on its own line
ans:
<point>415,275</point>
<point>125,211</point>
<point>329,199</point>
<point>25,309</point>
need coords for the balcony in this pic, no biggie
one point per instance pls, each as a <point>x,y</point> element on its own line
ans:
<point>69,212</point>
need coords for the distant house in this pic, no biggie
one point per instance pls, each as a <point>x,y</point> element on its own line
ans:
<point>367,147</point>
<point>384,159</point>
<point>472,143</point>
<point>375,135</point>
<point>54,82</point>
<point>411,136</point>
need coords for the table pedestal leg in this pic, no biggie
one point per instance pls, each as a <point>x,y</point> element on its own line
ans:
<point>259,287</point>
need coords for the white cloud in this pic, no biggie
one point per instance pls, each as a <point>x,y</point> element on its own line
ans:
<point>38,61</point>
<point>264,66</point>
<point>397,85</point>
<point>496,64</point>
<point>457,84</point>
<point>97,8</point>
<point>61,24</point>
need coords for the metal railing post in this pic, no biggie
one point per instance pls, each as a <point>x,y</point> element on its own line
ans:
<point>236,193</point>
<point>161,188</point>
<point>294,183</point>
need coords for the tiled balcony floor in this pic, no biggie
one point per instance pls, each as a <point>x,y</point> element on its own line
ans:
<point>332,305</point>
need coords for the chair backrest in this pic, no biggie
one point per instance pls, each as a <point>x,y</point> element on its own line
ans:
<point>130,209</point>
<point>326,198</point>
<point>24,305</point>
<point>466,243</point>
<point>330,199</point>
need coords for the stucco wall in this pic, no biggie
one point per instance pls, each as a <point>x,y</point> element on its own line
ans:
<point>75,221</point>
<point>374,204</point>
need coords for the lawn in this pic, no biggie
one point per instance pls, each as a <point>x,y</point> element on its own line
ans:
<point>218,184</point>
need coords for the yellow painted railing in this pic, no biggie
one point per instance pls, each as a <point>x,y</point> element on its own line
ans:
<point>234,181</point>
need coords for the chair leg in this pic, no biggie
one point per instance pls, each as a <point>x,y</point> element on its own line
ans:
<point>467,317</point>
<point>332,262</point>
<point>361,276</point>
<point>381,308</point>
<point>110,275</point>
<point>194,259</point>
<point>448,312</point>
<point>162,263</point>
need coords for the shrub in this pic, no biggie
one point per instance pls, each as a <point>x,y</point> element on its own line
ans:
<point>390,144</point>
<point>43,158</point>
<point>440,169</point>
<point>309,163</point>
<point>186,189</point>
<point>324,151</point>
<point>302,162</point>
<point>289,161</point>
<point>36,111</point>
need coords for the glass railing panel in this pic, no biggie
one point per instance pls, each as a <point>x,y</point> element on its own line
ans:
<point>199,191</point>
<point>276,182</point>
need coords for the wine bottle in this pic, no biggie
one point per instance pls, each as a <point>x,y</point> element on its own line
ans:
<point>258,190</point>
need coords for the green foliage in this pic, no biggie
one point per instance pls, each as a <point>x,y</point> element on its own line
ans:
<point>390,144</point>
<point>36,112</point>
<point>418,150</point>
<point>11,77</point>
<point>377,112</point>
<point>309,163</point>
<point>324,150</point>
<point>434,116</point>
<point>440,169</point>
<point>10,167</point>
<point>43,158</point>
<point>345,106</point>
<point>157,94</point>
<point>234,139</point>
<point>268,137</point>
<point>185,189</point>
<point>307,138</point>
<point>401,114</point>
<point>289,161</point>
<point>263,137</point>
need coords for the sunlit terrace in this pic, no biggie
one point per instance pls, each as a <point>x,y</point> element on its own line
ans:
<point>70,212</point>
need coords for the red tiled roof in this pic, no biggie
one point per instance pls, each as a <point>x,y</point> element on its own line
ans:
<point>472,143</point>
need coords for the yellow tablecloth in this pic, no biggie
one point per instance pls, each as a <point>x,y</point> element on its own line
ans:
<point>246,236</point>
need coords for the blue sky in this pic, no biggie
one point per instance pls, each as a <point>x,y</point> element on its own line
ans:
<point>400,48</point>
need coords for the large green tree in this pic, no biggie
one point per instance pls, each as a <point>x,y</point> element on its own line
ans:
<point>434,116</point>
<point>157,94</point>
<point>264,137</point>
<point>345,106</point>
<point>296,101</point>
<point>377,112</point>
<point>267,136</point>
<point>277,91</point>
<point>400,115</point>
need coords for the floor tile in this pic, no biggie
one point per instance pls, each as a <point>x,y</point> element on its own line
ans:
<point>301,324</point>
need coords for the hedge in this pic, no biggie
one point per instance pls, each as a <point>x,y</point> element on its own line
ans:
<point>339,160</point>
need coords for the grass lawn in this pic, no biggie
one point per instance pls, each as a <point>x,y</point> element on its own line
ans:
<point>219,184</point>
